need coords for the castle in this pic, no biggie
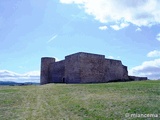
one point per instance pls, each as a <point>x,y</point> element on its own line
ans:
<point>84,68</point>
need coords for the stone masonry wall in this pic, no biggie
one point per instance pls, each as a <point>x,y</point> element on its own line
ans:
<point>84,68</point>
<point>125,73</point>
<point>136,78</point>
<point>114,70</point>
<point>72,69</point>
<point>57,72</point>
<point>91,68</point>
<point>45,62</point>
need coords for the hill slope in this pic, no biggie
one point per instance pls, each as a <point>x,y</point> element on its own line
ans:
<point>79,101</point>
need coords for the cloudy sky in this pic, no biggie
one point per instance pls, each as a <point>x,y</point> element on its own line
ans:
<point>128,30</point>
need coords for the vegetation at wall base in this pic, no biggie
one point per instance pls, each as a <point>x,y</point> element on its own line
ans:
<point>79,101</point>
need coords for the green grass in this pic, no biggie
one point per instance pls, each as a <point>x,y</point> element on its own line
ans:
<point>80,101</point>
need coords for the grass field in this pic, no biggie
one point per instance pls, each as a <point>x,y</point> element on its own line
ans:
<point>80,101</point>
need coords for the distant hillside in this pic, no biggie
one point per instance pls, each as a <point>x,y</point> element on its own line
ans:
<point>11,83</point>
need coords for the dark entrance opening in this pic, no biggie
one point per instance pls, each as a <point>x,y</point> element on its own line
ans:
<point>63,80</point>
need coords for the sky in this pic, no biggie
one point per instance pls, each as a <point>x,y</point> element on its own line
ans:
<point>127,30</point>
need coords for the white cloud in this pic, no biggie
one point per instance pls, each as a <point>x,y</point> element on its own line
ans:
<point>115,27</point>
<point>158,37</point>
<point>138,29</point>
<point>151,69</point>
<point>110,57</point>
<point>57,59</point>
<point>103,27</point>
<point>154,53</point>
<point>137,12</point>
<point>118,27</point>
<point>33,76</point>
<point>72,1</point>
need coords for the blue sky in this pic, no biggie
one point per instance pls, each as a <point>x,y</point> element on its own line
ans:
<point>118,29</point>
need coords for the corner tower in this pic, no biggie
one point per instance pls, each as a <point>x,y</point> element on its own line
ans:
<point>45,62</point>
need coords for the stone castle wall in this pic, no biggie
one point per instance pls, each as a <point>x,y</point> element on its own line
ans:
<point>84,68</point>
<point>72,68</point>
<point>114,70</point>
<point>135,78</point>
<point>92,68</point>
<point>57,72</point>
<point>45,63</point>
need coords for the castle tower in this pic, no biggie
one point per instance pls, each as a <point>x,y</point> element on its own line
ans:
<point>45,62</point>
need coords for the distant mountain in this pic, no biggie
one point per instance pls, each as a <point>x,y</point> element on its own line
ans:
<point>7,83</point>
<point>11,83</point>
